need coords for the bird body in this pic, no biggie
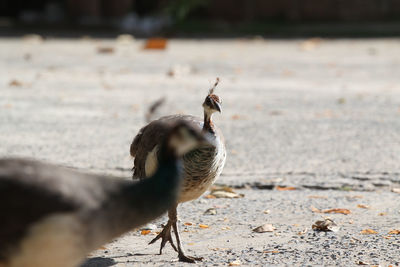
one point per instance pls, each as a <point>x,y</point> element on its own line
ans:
<point>54,216</point>
<point>201,166</point>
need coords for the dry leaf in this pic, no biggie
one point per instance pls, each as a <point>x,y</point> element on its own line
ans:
<point>188,223</point>
<point>235,263</point>
<point>105,50</point>
<point>302,232</point>
<point>368,232</point>
<point>341,211</point>
<point>145,232</point>
<point>314,209</point>
<point>285,188</point>
<point>210,211</point>
<point>271,251</point>
<point>361,206</point>
<point>156,43</point>
<point>310,44</point>
<point>394,232</point>
<point>204,226</point>
<point>325,225</point>
<point>236,117</point>
<point>382,214</point>
<point>396,190</point>
<point>15,83</point>
<point>264,228</point>
<point>224,192</point>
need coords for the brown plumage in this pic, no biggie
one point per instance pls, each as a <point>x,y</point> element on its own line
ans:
<point>202,166</point>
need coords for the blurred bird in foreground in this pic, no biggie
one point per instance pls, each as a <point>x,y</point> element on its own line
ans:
<point>54,216</point>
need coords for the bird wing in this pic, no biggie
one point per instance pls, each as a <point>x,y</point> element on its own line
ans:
<point>151,136</point>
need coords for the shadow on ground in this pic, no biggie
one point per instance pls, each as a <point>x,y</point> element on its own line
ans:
<point>98,262</point>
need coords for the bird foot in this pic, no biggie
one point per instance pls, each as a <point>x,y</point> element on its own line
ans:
<point>189,259</point>
<point>165,236</point>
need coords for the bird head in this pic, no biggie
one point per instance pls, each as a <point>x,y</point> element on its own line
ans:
<point>183,138</point>
<point>212,103</point>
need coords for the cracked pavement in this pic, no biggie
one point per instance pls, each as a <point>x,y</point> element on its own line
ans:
<point>322,116</point>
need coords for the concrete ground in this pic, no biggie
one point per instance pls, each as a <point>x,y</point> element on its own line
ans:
<point>321,116</point>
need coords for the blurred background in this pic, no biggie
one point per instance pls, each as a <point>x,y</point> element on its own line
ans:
<point>289,18</point>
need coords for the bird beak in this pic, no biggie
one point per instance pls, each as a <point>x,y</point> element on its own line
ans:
<point>217,106</point>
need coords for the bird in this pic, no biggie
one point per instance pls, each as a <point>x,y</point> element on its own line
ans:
<point>201,166</point>
<point>54,216</point>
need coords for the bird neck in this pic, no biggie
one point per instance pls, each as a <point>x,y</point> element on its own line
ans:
<point>135,204</point>
<point>208,125</point>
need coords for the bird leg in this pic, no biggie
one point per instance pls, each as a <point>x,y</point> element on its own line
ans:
<point>172,214</point>
<point>165,236</point>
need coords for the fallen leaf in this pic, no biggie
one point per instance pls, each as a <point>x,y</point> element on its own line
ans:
<point>314,209</point>
<point>235,263</point>
<point>302,232</point>
<point>322,197</point>
<point>310,44</point>
<point>156,43</point>
<point>234,152</point>
<point>382,214</point>
<point>204,226</point>
<point>287,73</point>
<point>271,251</point>
<point>15,83</point>
<point>394,232</point>
<point>188,223</point>
<point>105,50</point>
<point>396,190</point>
<point>264,228</point>
<point>285,188</point>
<point>275,113</point>
<point>361,206</point>
<point>236,117</point>
<point>325,225</point>
<point>341,211</point>
<point>145,232</point>
<point>210,211</point>
<point>368,232</point>
<point>224,192</point>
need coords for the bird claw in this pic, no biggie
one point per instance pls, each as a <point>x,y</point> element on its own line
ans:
<point>189,259</point>
<point>165,236</point>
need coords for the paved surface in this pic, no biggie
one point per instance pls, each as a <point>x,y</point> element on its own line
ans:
<point>322,116</point>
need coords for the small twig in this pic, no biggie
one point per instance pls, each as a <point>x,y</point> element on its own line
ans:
<point>153,108</point>
<point>213,88</point>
